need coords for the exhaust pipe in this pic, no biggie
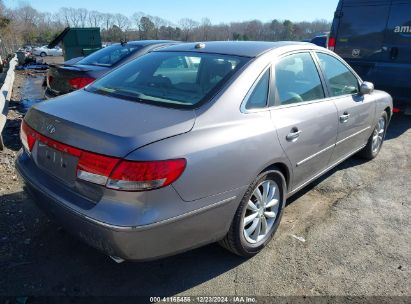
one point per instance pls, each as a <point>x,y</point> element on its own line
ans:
<point>117,259</point>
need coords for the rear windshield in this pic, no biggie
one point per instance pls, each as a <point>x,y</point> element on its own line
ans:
<point>170,78</point>
<point>110,55</point>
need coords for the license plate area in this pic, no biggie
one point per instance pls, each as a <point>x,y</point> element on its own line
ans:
<point>57,163</point>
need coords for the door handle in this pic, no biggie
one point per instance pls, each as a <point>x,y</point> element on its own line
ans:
<point>293,135</point>
<point>344,118</point>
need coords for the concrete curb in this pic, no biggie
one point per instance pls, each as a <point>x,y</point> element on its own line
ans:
<point>5,95</point>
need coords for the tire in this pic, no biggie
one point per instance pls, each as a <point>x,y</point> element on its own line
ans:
<point>1,143</point>
<point>43,54</point>
<point>237,239</point>
<point>371,150</point>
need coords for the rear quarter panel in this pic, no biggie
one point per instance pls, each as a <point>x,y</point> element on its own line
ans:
<point>226,149</point>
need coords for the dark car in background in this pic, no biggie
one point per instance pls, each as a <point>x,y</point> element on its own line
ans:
<point>374,37</point>
<point>76,74</point>
<point>320,40</point>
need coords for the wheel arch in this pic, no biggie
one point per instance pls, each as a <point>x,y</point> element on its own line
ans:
<point>388,111</point>
<point>283,168</point>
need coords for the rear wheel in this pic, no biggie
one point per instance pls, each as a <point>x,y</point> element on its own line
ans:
<point>258,215</point>
<point>1,143</point>
<point>43,54</point>
<point>376,139</point>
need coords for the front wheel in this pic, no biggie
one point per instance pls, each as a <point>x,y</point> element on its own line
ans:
<point>376,139</point>
<point>43,54</point>
<point>258,215</point>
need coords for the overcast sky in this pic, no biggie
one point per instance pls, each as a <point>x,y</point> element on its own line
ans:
<point>217,10</point>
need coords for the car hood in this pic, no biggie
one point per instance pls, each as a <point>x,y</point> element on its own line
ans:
<point>106,125</point>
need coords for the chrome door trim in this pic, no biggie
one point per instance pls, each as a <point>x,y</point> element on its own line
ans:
<point>314,155</point>
<point>325,170</point>
<point>352,135</point>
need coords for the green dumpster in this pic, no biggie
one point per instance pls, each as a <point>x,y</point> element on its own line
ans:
<point>78,42</point>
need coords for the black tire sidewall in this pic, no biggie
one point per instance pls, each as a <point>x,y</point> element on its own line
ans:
<point>374,154</point>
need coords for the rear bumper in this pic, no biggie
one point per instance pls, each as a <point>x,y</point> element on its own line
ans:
<point>151,241</point>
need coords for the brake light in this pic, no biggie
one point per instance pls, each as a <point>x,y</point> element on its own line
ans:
<point>27,136</point>
<point>396,110</point>
<point>331,43</point>
<point>135,176</point>
<point>109,171</point>
<point>80,82</point>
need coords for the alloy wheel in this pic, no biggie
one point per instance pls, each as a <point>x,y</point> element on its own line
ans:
<point>378,135</point>
<point>262,210</point>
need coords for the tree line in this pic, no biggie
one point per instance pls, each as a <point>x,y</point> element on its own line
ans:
<point>25,25</point>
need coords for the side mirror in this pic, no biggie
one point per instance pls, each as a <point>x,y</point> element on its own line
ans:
<point>366,88</point>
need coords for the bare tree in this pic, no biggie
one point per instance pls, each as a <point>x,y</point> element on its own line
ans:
<point>122,22</point>
<point>95,18</point>
<point>108,20</point>
<point>82,16</point>
<point>205,27</point>
<point>187,26</point>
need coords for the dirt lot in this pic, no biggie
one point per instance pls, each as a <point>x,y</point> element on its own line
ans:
<point>347,234</point>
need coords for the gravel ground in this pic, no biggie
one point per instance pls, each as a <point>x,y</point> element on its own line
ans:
<point>348,234</point>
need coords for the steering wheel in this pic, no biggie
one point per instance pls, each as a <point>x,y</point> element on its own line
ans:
<point>292,97</point>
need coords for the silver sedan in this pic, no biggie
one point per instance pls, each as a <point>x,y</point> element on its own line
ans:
<point>197,143</point>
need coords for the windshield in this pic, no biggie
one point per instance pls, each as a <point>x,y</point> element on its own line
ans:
<point>170,78</point>
<point>110,55</point>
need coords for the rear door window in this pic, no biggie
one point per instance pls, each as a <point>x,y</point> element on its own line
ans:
<point>297,79</point>
<point>340,79</point>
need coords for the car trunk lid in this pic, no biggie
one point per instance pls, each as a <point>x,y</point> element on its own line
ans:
<point>106,125</point>
<point>58,76</point>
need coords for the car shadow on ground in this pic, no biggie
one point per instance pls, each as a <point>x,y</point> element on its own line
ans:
<point>399,124</point>
<point>47,260</point>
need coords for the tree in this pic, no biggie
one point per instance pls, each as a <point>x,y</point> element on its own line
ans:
<point>146,28</point>
<point>187,25</point>
<point>288,31</point>
<point>122,21</point>
<point>205,27</point>
<point>95,18</point>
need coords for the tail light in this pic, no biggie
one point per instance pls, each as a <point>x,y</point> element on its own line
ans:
<point>114,173</point>
<point>331,43</point>
<point>135,176</point>
<point>27,136</point>
<point>80,82</point>
<point>396,110</point>
<point>49,79</point>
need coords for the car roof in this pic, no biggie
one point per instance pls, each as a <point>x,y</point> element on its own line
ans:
<point>235,48</point>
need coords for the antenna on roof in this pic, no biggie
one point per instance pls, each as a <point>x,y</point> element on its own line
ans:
<point>200,45</point>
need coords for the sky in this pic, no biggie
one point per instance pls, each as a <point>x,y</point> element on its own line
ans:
<point>216,10</point>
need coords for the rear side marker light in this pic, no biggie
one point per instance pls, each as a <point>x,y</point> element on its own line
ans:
<point>80,82</point>
<point>114,173</point>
